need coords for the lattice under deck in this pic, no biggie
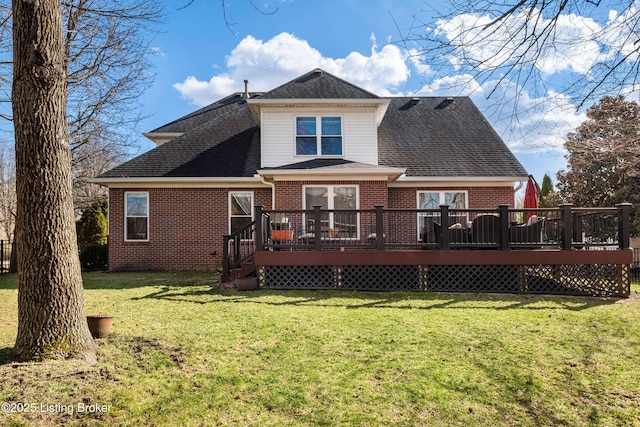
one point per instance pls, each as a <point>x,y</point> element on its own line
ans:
<point>589,280</point>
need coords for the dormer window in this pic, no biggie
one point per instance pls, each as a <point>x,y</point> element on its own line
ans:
<point>310,143</point>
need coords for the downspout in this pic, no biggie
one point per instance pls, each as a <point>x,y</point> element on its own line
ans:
<point>273,191</point>
<point>515,190</point>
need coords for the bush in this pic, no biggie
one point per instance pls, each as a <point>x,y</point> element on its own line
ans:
<point>92,225</point>
<point>94,257</point>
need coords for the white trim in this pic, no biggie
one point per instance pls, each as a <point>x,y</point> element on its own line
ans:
<point>441,201</point>
<point>140,193</point>
<point>457,181</point>
<point>160,138</point>
<point>257,104</point>
<point>329,188</point>
<point>179,182</point>
<point>351,102</point>
<point>229,206</point>
<point>319,135</point>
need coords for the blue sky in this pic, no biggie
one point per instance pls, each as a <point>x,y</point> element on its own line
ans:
<point>198,60</point>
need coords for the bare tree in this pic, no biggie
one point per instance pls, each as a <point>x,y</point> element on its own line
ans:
<point>51,318</point>
<point>523,41</point>
<point>7,192</point>
<point>107,48</point>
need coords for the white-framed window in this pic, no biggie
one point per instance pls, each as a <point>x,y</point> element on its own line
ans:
<point>326,142</point>
<point>240,209</point>
<point>334,197</point>
<point>136,212</point>
<point>432,199</point>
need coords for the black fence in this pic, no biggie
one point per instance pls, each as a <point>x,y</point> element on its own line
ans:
<point>635,267</point>
<point>6,249</point>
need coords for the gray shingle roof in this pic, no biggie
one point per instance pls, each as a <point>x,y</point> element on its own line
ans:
<point>226,146</point>
<point>429,136</point>
<point>318,84</point>
<point>436,136</point>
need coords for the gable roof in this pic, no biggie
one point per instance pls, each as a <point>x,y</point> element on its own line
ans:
<point>318,84</point>
<point>426,136</point>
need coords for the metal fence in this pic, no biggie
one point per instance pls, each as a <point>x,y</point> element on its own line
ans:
<point>6,248</point>
<point>635,267</point>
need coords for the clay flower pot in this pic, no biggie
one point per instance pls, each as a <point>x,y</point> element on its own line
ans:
<point>100,324</point>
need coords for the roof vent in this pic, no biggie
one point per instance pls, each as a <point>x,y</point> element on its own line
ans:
<point>445,103</point>
<point>415,100</point>
<point>317,71</point>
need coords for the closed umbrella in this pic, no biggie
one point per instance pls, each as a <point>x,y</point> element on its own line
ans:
<point>531,196</point>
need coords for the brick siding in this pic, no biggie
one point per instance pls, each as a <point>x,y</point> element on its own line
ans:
<point>186,225</point>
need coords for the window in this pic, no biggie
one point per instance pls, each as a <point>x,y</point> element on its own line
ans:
<point>309,143</point>
<point>433,200</point>
<point>136,216</point>
<point>343,224</point>
<point>240,210</point>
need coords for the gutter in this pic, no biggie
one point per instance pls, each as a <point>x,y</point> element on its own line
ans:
<point>273,191</point>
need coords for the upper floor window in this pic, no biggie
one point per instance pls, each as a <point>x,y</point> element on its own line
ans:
<point>328,142</point>
<point>136,208</point>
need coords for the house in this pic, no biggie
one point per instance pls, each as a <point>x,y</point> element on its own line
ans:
<point>316,140</point>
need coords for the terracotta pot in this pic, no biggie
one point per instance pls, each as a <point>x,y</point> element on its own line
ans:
<point>247,284</point>
<point>100,324</point>
<point>282,234</point>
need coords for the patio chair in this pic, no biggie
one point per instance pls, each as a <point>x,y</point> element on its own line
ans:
<point>485,230</point>
<point>458,234</point>
<point>530,232</point>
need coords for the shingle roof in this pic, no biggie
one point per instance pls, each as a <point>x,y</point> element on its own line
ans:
<point>226,146</point>
<point>429,136</point>
<point>318,84</point>
<point>203,115</point>
<point>436,136</point>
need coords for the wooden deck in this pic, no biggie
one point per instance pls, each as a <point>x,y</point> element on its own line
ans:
<point>577,252</point>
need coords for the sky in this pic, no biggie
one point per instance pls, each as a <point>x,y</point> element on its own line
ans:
<point>199,59</point>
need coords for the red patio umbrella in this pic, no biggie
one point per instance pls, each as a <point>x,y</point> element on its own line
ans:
<point>531,196</point>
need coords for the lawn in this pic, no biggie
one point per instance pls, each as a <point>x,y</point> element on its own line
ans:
<point>184,351</point>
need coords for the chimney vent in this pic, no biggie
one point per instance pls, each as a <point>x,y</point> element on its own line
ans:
<point>246,89</point>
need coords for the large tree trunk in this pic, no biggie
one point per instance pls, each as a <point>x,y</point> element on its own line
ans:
<point>51,318</point>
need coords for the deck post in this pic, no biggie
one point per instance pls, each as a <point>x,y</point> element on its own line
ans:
<point>317,227</point>
<point>259,228</point>
<point>503,235</point>
<point>624,224</point>
<point>226,267</point>
<point>444,227</point>
<point>567,225</point>
<point>379,228</point>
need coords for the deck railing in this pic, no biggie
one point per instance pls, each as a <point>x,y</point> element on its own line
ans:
<point>502,228</point>
<point>564,227</point>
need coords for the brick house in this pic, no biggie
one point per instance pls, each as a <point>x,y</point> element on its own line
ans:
<point>316,140</point>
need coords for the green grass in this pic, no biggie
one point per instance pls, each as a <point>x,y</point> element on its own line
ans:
<point>183,351</point>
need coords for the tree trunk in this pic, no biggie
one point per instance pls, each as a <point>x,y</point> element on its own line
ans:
<point>51,318</point>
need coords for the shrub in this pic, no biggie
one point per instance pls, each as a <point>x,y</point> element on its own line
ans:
<point>94,257</point>
<point>92,225</point>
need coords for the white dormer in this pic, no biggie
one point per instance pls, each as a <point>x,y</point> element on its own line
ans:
<point>297,130</point>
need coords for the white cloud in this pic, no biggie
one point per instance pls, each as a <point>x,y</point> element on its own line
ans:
<point>267,64</point>
<point>577,41</point>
